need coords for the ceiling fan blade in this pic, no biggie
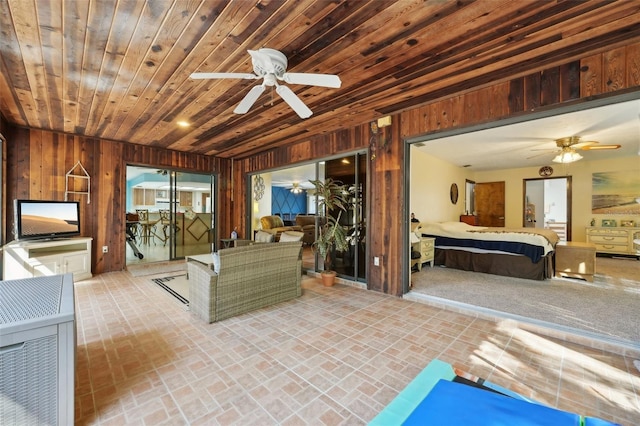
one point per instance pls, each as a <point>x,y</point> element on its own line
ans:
<point>549,152</point>
<point>215,75</point>
<point>247,102</point>
<point>599,147</point>
<point>294,101</point>
<point>322,80</point>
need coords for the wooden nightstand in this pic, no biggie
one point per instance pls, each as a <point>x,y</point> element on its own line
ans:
<point>426,247</point>
<point>469,219</point>
<point>576,260</point>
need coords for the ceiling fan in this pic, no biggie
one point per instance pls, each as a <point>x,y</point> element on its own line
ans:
<point>271,66</point>
<point>568,146</point>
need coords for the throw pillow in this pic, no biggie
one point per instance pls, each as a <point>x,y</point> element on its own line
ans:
<point>263,237</point>
<point>291,236</point>
<point>216,262</point>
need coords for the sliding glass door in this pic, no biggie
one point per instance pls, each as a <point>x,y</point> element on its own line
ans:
<point>287,193</point>
<point>170,214</point>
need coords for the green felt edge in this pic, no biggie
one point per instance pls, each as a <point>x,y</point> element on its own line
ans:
<point>408,399</point>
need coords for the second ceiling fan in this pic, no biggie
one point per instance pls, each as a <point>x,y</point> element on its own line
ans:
<point>568,146</point>
<point>270,65</point>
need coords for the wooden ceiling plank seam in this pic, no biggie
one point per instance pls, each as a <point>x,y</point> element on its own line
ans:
<point>75,14</point>
<point>28,36</point>
<point>112,73</point>
<point>99,18</point>
<point>51,40</point>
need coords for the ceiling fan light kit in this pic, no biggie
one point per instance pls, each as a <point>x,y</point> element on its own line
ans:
<point>270,65</point>
<point>567,155</point>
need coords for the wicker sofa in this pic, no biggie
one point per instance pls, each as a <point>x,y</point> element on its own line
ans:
<point>249,278</point>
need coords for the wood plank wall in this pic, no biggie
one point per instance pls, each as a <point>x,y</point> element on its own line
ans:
<point>38,160</point>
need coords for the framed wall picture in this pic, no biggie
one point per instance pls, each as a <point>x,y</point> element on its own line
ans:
<point>609,223</point>
<point>627,223</point>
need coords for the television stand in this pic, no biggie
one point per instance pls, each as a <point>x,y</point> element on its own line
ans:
<point>36,258</point>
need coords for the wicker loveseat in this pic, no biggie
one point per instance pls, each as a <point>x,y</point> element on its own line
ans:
<point>249,278</point>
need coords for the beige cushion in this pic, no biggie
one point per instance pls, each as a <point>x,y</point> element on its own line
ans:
<point>291,236</point>
<point>263,237</point>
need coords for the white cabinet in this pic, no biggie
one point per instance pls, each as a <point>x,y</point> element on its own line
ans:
<point>26,259</point>
<point>614,240</point>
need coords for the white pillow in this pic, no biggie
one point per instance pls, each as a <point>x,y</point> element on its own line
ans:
<point>263,237</point>
<point>291,236</point>
<point>216,262</point>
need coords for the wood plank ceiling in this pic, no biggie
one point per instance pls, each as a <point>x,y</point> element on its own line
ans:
<point>120,69</point>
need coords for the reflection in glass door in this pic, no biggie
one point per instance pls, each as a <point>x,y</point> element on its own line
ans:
<point>191,214</point>
<point>352,171</point>
<point>289,194</point>
<point>169,214</point>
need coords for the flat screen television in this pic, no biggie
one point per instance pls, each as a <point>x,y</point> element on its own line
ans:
<point>41,219</point>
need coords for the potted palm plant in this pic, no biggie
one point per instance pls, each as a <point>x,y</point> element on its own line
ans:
<point>333,198</point>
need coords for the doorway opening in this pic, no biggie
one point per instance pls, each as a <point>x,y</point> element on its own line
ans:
<point>547,204</point>
<point>170,214</point>
<point>289,194</point>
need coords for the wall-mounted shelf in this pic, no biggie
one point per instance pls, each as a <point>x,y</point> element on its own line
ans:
<point>83,176</point>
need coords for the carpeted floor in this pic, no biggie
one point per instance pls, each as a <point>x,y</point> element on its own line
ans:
<point>608,307</point>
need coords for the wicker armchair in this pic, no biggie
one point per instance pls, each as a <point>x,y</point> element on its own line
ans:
<point>249,278</point>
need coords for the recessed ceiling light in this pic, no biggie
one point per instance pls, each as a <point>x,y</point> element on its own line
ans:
<point>183,123</point>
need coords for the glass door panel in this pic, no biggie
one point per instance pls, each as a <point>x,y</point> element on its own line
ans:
<point>169,214</point>
<point>191,215</point>
<point>351,171</point>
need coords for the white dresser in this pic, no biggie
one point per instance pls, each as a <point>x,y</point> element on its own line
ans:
<point>614,240</point>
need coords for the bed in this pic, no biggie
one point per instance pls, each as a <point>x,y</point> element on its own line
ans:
<point>513,252</point>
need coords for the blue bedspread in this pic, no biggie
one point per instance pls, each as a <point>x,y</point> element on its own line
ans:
<point>535,253</point>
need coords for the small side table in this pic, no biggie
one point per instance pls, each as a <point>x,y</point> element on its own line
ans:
<point>233,242</point>
<point>576,260</point>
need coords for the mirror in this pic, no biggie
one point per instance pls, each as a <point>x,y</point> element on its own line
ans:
<point>454,193</point>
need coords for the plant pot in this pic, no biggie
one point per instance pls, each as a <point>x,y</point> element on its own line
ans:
<point>328,278</point>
